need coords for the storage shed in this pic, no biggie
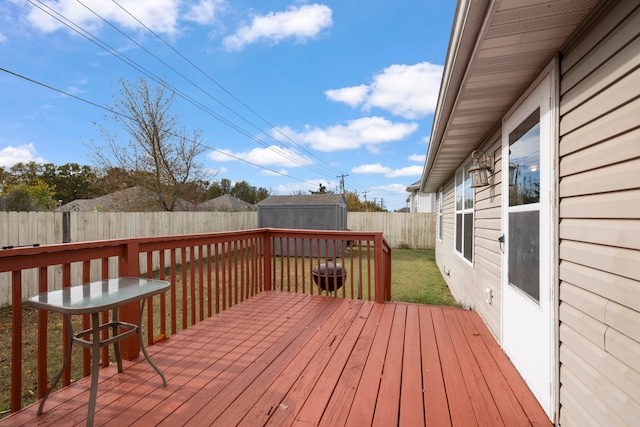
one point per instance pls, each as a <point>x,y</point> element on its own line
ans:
<point>309,212</point>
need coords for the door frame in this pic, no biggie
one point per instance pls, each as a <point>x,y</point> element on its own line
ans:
<point>547,83</point>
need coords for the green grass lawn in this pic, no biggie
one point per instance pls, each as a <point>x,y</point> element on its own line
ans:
<point>415,278</point>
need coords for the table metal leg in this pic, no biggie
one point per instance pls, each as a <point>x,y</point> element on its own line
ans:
<point>65,364</point>
<point>116,344</point>
<point>144,350</point>
<point>95,367</point>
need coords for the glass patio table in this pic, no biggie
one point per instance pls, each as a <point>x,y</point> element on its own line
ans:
<point>94,298</point>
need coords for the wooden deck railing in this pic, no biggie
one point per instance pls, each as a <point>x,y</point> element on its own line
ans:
<point>208,273</point>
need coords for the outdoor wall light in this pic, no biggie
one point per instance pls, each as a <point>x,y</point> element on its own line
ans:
<point>480,169</point>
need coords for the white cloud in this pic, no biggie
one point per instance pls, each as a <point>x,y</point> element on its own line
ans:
<point>368,132</point>
<point>3,38</point>
<point>405,171</point>
<point>205,11</point>
<point>378,169</point>
<point>420,158</point>
<point>409,91</point>
<point>352,96</point>
<point>161,16</point>
<point>391,188</point>
<point>280,172</point>
<point>10,155</point>
<point>298,23</point>
<point>271,156</point>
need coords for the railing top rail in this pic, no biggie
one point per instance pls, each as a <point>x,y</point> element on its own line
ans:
<point>38,256</point>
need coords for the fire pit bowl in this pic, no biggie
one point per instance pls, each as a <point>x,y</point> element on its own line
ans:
<point>329,276</point>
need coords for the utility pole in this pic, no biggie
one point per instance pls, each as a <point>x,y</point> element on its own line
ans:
<point>366,208</point>
<point>341,182</point>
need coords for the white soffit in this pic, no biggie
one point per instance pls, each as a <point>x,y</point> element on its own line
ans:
<point>516,41</point>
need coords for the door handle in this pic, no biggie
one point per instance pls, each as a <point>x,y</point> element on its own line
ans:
<point>501,240</point>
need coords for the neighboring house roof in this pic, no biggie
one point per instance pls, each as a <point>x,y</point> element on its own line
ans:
<point>497,48</point>
<point>304,199</point>
<point>133,199</point>
<point>226,203</point>
<point>414,188</point>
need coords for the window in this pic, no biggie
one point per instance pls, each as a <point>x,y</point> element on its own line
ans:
<point>464,214</point>
<point>440,216</point>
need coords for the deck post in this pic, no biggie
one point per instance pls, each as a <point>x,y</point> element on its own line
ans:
<point>378,252</point>
<point>129,266</point>
<point>266,260</point>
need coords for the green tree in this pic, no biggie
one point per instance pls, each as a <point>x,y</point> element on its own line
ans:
<point>353,201</point>
<point>71,181</point>
<point>29,197</point>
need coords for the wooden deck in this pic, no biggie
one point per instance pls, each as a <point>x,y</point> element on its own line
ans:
<point>290,359</point>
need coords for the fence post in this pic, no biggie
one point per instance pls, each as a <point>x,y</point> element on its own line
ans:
<point>129,266</point>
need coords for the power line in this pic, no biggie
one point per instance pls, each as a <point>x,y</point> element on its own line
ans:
<point>293,159</point>
<point>214,81</point>
<point>110,49</point>
<point>131,118</point>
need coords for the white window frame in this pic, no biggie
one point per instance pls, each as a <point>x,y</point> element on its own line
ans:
<point>464,214</point>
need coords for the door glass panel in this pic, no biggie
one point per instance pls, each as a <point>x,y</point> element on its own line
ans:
<point>524,162</point>
<point>524,252</point>
<point>524,206</point>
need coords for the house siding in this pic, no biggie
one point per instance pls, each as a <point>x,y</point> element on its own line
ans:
<point>599,231</point>
<point>468,281</point>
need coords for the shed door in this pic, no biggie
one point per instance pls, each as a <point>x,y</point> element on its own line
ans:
<point>528,276</point>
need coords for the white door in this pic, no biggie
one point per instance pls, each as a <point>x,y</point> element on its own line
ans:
<point>528,210</point>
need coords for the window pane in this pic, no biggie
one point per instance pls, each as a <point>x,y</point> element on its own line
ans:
<point>524,162</point>
<point>468,191</point>
<point>459,233</point>
<point>524,252</point>
<point>468,236</point>
<point>459,183</point>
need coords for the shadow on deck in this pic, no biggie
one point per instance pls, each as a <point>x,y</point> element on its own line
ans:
<point>292,359</point>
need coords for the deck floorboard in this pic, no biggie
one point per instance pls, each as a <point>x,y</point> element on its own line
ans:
<point>286,359</point>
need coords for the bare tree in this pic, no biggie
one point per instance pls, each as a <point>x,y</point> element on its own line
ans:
<point>160,153</point>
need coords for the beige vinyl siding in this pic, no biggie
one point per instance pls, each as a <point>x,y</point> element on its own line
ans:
<point>469,281</point>
<point>599,230</point>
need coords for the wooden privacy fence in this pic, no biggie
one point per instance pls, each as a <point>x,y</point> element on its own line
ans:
<point>208,272</point>
<point>401,230</point>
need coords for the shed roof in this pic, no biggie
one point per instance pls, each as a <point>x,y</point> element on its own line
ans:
<point>304,199</point>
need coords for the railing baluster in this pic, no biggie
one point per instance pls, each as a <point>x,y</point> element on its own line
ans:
<point>216,254</point>
<point>149,300</point>
<point>192,283</point>
<point>66,282</point>
<point>209,295</point>
<point>16,340</point>
<point>163,298</point>
<point>185,289</point>
<point>174,298</point>
<point>243,265</point>
<point>105,316</point>
<point>86,323</point>
<point>43,318</point>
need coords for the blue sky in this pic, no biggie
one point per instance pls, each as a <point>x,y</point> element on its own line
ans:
<point>351,83</point>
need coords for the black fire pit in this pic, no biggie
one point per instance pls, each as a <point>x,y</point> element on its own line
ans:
<point>329,276</point>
